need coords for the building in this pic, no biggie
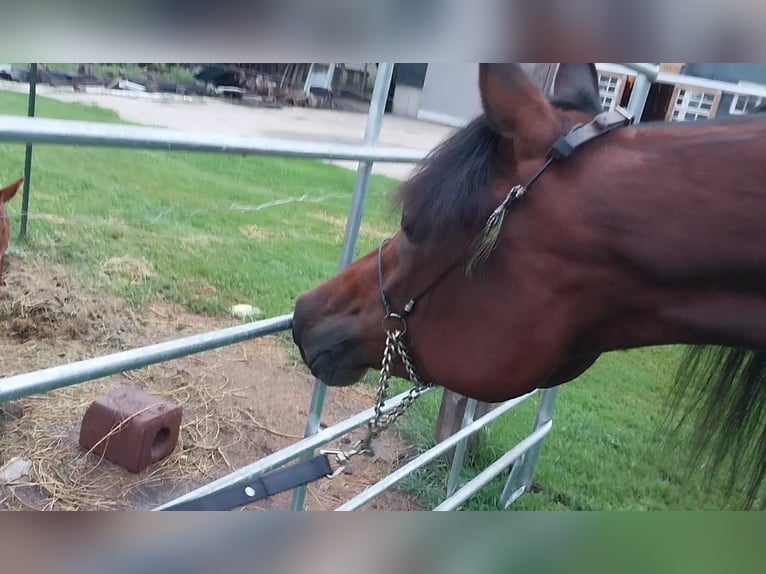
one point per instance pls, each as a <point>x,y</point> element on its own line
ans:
<point>449,93</point>
<point>691,91</point>
<point>441,93</point>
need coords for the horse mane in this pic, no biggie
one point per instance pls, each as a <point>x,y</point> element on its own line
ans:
<point>444,191</point>
<point>721,392</point>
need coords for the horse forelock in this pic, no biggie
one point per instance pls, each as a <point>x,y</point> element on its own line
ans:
<point>449,188</point>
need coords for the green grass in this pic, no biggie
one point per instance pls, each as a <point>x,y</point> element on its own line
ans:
<point>173,210</point>
<point>605,452</point>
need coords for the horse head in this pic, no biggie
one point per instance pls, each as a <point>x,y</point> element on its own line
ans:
<point>507,327</point>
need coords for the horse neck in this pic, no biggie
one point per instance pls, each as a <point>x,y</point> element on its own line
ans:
<point>682,211</point>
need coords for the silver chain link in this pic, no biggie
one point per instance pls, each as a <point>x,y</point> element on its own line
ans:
<point>395,345</point>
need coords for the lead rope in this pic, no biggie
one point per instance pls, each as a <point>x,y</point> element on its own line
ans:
<point>395,345</point>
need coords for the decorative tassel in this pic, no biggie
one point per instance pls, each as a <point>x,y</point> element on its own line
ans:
<point>487,241</point>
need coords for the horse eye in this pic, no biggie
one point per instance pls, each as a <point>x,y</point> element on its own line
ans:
<point>407,228</point>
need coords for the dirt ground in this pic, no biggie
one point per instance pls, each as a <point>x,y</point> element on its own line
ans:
<point>240,403</point>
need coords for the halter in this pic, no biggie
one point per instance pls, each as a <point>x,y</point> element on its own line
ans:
<point>394,323</point>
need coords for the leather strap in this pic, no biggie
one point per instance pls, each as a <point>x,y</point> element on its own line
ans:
<point>261,487</point>
<point>601,124</point>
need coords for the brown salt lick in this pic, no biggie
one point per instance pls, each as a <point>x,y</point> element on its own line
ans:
<point>130,428</point>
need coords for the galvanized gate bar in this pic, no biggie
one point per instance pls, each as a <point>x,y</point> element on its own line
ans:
<point>473,486</point>
<point>659,77</point>
<point>290,453</point>
<point>431,454</point>
<point>650,71</point>
<point>523,472</point>
<point>351,236</point>
<point>38,130</point>
<point>639,96</point>
<point>42,381</point>
<point>459,456</point>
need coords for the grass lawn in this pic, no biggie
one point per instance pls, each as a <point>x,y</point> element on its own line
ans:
<point>209,231</point>
<point>201,222</point>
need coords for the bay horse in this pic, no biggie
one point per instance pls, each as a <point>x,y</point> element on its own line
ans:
<point>6,194</point>
<point>651,234</point>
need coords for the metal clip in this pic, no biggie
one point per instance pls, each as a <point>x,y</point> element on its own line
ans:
<point>364,445</point>
<point>341,457</point>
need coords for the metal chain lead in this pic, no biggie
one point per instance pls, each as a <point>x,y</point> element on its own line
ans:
<point>395,345</point>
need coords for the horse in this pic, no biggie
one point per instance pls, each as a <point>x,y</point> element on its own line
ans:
<point>6,194</point>
<point>650,234</point>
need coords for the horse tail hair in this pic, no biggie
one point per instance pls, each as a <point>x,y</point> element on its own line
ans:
<point>722,392</point>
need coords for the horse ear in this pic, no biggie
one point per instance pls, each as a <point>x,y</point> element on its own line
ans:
<point>577,85</point>
<point>513,105</point>
<point>7,193</point>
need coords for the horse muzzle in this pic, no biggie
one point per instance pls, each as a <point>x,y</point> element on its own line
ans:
<point>329,348</point>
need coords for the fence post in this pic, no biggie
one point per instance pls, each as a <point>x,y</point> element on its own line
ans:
<point>639,95</point>
<point>353,224</point>
<point>469,416</point>
<point>452,416</point>
<point>523,472</point>
<point>28,157</point>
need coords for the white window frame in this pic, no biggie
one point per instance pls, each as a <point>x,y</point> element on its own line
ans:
<point>686,109</point>
<point>609,100</point>
<point>749,100</point>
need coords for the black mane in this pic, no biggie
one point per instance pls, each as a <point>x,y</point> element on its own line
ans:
<point>442,194</point>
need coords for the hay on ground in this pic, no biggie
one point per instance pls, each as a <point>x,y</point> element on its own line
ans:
<point>240,403</point>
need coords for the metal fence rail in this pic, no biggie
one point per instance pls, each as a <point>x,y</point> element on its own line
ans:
<point>246,474</point>
<point>27,130</point>
<point>654,75</point>
<point>432,454</point>
<point>45,380</point>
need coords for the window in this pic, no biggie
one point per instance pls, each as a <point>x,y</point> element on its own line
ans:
<point>690,104</point>
<point>742,104</point>
<point>610,88</point>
